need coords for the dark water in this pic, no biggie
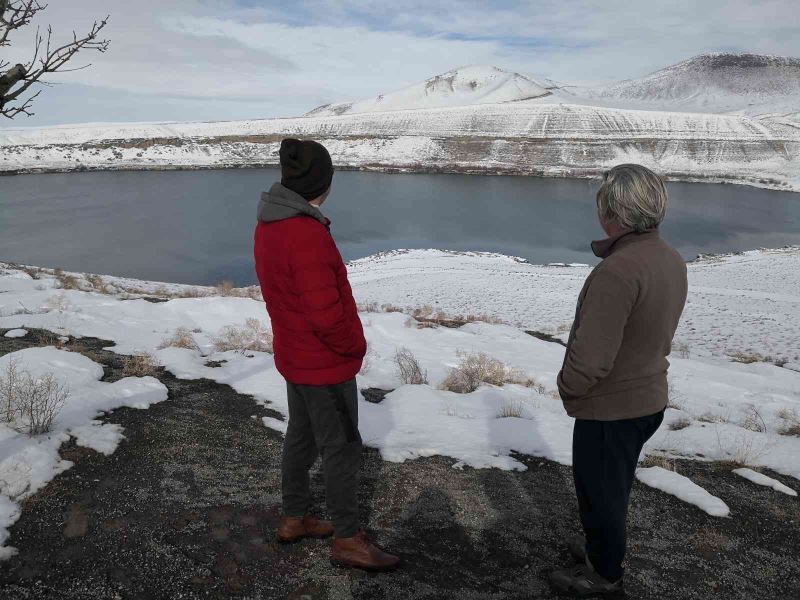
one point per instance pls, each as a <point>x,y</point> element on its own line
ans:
<point>197,226</point>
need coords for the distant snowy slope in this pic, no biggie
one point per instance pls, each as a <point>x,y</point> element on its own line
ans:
<point>750,83</point>
<point>459,87</point>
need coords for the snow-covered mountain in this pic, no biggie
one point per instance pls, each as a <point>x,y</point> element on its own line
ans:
<point>717,83</point>
<point>459,87</point>
<point>711,118</point>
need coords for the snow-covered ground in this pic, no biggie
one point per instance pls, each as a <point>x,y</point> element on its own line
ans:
<point>720,409</point>
<point>746,303</point>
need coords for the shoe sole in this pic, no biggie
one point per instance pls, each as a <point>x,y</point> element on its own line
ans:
<point>343,565</point>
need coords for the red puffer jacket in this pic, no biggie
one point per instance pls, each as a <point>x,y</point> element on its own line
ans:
<point>318,337</point>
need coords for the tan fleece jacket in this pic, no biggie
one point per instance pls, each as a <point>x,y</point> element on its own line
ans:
<point>615,365</point>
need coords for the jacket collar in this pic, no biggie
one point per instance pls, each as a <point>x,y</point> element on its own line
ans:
<point>281,203</point>
<point>604,248</point>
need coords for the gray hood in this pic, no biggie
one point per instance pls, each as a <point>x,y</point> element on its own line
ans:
<point>281,203</point>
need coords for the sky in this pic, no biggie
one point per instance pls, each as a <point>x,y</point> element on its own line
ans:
<point>192,60</point>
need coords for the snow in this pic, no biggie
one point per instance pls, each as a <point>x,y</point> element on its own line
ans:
<point>459,87</point>
<point>761,479</point>
<point>720,409</point>
<point>683,488</point>
<point>16,333</point>
<point>28,463</point>
<point>737,303</point>
<point>719,83</point>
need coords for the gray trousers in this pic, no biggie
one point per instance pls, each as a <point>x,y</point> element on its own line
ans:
<point>323,420</point>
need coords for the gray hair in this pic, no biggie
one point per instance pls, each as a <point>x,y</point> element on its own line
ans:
<point>632,196</point>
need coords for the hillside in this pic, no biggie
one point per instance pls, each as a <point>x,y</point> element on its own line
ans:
<point>459,87</point>
<point>747,83</point>
<point>504,124</point>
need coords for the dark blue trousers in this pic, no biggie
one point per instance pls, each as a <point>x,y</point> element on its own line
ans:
<point>604,458</point>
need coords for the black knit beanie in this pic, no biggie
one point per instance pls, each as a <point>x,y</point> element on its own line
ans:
<point>306,167</point>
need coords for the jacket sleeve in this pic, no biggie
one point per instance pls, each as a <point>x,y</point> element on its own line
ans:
<point>602,317</point>
<point>314,269</point>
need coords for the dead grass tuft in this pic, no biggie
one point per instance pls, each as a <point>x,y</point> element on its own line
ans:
<point>182,338</point>
<point>139,365</point>
<point>656,460</point>
<point>679,424</point>
<point>98,284</point>
<point>68,282</point>
<point>510,410</point>
<point>253,337</point>
<point>791,420</point>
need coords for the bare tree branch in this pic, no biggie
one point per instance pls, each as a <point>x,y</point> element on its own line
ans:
<point>46,59</point>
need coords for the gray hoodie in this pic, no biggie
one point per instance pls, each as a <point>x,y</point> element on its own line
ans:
<point>281,203</point>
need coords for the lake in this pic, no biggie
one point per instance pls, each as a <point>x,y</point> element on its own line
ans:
<point>197,226</point>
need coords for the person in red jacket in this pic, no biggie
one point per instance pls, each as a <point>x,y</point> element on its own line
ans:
<point>319,347</point>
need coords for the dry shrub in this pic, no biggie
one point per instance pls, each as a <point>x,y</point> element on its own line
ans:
<point>68,282</point>
<point>182,338</point>
<point>30,404</point>
<point>753,420</point>
<point>479,368</point>
<point>139,365</point>
<point>225,288</point>
<point>754,357</point>
<point>510,410</point>
<point>681,349</point>
<point>484,318</point>
<point>423,312</point>
<point>408,369</point>
<point>368,307</point>
<point>369,359</point>
<point>33,272</point>
<point>98,283</point>
<point>58,303</point>
<point>709,417</point>
<point>656,460</point>
<point>192,293</point>
<point>253,337</point>
<point>390,308</point>
<point>681,423</point>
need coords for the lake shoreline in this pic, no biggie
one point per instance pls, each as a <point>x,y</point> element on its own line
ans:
<point>416,169</point>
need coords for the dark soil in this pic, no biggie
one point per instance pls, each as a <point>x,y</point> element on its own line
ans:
<point>186,506</point>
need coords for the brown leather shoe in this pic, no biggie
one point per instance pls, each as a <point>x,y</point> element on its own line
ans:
<point>293,529</point>
<point>359,552</point>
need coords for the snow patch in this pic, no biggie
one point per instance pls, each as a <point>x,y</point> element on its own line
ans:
<point>761,479</point>
<point>683,488</point>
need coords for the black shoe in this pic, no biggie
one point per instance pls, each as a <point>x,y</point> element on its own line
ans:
<point>581,581</point>
<point>577,549</point>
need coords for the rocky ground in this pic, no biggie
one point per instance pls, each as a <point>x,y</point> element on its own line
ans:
<point>186,506</point>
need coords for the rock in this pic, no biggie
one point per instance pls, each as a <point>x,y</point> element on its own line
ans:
<point>375,395</point>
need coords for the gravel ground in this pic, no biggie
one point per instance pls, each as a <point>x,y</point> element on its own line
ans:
<point>186,506</point>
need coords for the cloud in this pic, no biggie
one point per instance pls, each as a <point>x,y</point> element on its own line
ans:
<point>277,59</point>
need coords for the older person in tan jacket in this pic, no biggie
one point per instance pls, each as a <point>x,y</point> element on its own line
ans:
<point>614,377</point>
